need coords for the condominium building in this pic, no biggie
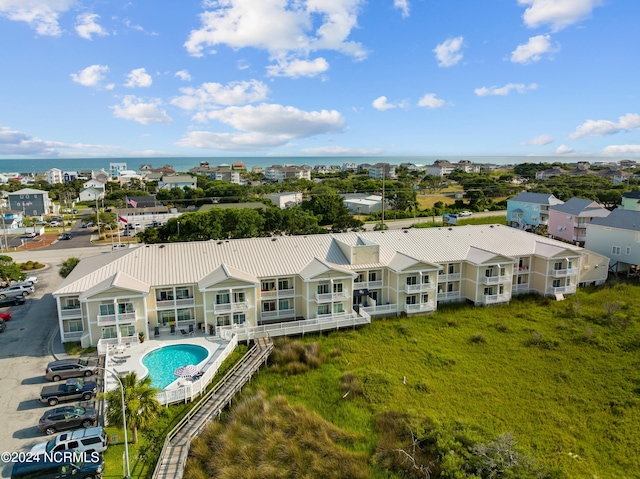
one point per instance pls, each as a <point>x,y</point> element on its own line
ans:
<point>280,173</point>
<point>242,285</point>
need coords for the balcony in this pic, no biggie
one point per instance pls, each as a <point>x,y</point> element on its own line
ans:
<point>448,295</point>
<point>380,309</point>
<point>563,289</point>
<point>520,288</point>
<point>71,313</point>
<point>367,284</point>
<point>172,303</point>
<point>496,298</point>
<point>448,277</point>
<point>229,307</point>
<point>71,336</point>
<point>496,279</point>
<point>329,297</point>
<point>420,307</point>
<point>113,319</point>
<point>278,293</point>
<point>281,314</point>
<point>560,273</point>
<point>418,288</point>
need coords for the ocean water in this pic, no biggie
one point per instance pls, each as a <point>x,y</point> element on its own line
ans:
<point>185,163</point>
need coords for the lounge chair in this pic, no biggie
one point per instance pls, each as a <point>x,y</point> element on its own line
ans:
<point>184,332</point>
<point>191,331</point>
<point>156,331</point>
<point>173,329</point>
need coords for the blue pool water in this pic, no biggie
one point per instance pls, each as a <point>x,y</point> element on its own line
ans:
<point>162,362</point>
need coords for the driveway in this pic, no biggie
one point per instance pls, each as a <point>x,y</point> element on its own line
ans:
<point>24,354</point>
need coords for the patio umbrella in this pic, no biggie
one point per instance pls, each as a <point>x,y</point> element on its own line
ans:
<point>186,371</point>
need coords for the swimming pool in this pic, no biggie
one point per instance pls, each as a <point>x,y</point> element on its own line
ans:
<point>162,362</point>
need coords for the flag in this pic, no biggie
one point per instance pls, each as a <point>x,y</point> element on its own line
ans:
<point>123,219</point>
<point>133,203</point>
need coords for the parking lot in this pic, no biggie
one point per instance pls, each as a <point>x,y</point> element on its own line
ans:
<point>25,350</point>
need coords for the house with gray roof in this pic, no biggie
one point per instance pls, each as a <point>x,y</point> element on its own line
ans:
<point>310,282</point>
<point>568,221</point>
<point>631,200</point>
<point>530,211</point>
<point>617,236</point>
<point>31,201</point>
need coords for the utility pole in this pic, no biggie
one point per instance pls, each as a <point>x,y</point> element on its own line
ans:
<point>383,197</point>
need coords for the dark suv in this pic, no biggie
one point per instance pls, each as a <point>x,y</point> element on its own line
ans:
<point>69,368</point>
<point>67,417</point>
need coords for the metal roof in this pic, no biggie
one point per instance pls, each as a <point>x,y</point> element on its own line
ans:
<point>581,207</point>
<point>619,218</point>
<point>190,263</point>
<point>537,198</point>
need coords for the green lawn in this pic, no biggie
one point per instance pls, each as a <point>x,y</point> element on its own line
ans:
<point>563,377</point>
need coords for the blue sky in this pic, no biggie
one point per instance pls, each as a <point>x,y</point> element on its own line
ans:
<point>118,78</point>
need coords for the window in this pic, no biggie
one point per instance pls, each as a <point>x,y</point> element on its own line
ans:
<point>239,318</point>
<point>503,271</point>
<point>373,276</point>
<point>107,309</point>
<point>268,286</point>
<point>223,320</point>
<point>501,289</point>
<point>450,269</point>
<point>73,326</point>
<point>337,287</point>
<point>425,298</point>
<point>222,298</point>
<point>268,306</point>
<point>124,308</point>
<point>556,283</point>
<point>615,250</point>
<point>183,293</point>
<point>410,299</point>
<point>360,278</point>
<point>72,303</point>
<point>338,308</point>
<point>284,304</point>
<point>167,317</point>
<point>557,265</point>
<point>239,297</point>
<point>488,272</point>
<point>284,284</point>
<point>373,295</point>
<point>488,291</point>
<point>164,295</point>
<point>109,333</point>
<point>127,330</point>
<point>412,280</point>
<point>323,288</point>
<point>569,264</point>
<point>184,315</point>
<point>628,250</point>
<point>425,279</point>
<point>323,309</point>
<point>450,288</point>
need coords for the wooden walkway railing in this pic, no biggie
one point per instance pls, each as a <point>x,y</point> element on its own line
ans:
<point>175,450</point>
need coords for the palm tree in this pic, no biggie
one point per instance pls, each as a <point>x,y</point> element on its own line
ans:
<point>141,404</point>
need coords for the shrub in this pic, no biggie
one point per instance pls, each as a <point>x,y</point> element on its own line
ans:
<point>350,385</point>
<point>294,357</point>
<point>478,338</point>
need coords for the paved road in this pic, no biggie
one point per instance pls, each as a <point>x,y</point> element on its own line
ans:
<point>405,223</point>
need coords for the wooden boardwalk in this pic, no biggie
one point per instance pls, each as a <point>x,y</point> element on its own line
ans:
<point>174,453</point>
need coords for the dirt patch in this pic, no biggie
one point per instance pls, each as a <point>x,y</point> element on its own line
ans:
<point>40,242</point>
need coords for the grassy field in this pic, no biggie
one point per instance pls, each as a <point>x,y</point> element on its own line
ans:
<point>562,377</point>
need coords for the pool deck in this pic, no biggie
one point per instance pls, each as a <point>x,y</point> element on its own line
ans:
<point>125,359</point>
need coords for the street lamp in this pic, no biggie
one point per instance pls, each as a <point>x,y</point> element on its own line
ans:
<point>124,419</point>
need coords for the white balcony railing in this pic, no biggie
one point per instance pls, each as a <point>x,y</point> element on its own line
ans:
<point>520,287</point>
<point>448,295</point>
<point>563,289</point>
<point>448,277</point>
<point>228,307</point>
<point>111,319</point>
<point>185,302</point>
<point>367,284</point>
<point>71,335</point>
<point>71,313</point>
<point>328,297</point>
<point>278,293</point>
<point>380,309</point>
<point>496,279</point>
<point>172,303</point>
<point>420,307</point>
<point>417,288</point>
<point>558,273</point>
<point>280,314</point>
<point>496,298</point>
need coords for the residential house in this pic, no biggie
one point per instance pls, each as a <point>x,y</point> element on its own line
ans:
<point>440,168</point>
<point>91,194</point>
<point>241,286</point>
<point>125,177</point>
<point>116,168</point>
<point>280,173</point>
<point>218,174</point>
<point>530,211</point>
<point>95,184</point>
<point>54,176</point>
<point>102,175</point>
<point>31,201</point>
<point>568,221</point>
<point>631,200</point>
<point>349,166</point>
<point>383,170</point>
<point>361,204</point>
<point>177,181</point>
<point>615,174</point>
<point>285,200</point>
<point>617,237</point>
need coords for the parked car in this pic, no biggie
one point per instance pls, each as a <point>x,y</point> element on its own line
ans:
<point>90,468</point>
<point>32,279</point>
<point>12,301</point>
<point>71,390</point>
<point>69,368</point>
<point>5,316</point>
<point>67,417</point>
<point>17,290</point>
<point>119,246</point>
<point>55,223</point>
<point>91,439</point>
<point>64,236</point>
<point>464,213</point>
<point>31,234</point>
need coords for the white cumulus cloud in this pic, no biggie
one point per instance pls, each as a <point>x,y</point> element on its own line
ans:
<point>284,29</point>
<point>533,50</point>
<point>621,150</point>
<point>138,78</point>
<point>210,96</point>
<point>556,13</point>
<point>628,122</point>
<point>430,101</point>
<point>90,76</point>
<point>403,6</point>
<point>539,140</point>
<point>448,52</point>
<point>18,143</point>
<point>136,109</point>
<point>41,15</point>
<point>298,68</point>
<point>183,75</point>
<point>504,90</point>
<point>86,26</point>
<point>382,104</point>
<point>564,150</point>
